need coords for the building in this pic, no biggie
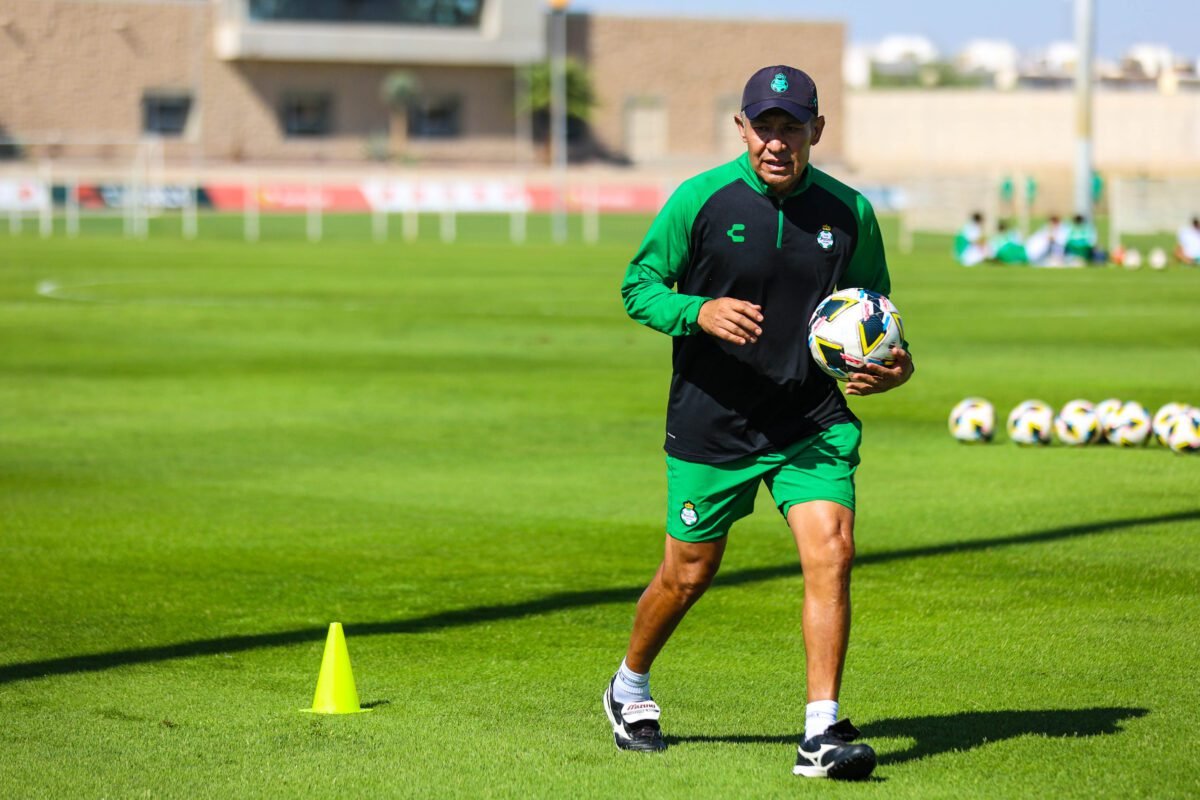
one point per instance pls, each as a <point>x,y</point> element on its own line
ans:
<point>660,101</point>
<point>299,81</point>
<point>262,80</point>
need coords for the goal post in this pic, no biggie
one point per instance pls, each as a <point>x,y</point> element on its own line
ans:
<point>942,204</point>
<point>1150,205</point>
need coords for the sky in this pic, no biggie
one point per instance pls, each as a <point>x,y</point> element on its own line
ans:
<point>1028,24</point>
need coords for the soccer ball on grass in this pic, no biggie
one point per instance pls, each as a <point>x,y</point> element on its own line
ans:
<point>1130,426</point>
<point>973,420</point>
<point>1106,411</point>
<point>1076,423</point>
<point>1184,434</point>
<point>1031,422</point>
<point>1163,418</point>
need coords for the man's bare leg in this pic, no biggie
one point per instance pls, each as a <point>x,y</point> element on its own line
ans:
<point>686,571</point>
<point>824,534</point>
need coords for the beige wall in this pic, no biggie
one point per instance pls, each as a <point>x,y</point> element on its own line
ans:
<point>77,71</point>
<point>241,119</point>
<point>696,69</point>
<point>74,72</point>
<point>902,133</point>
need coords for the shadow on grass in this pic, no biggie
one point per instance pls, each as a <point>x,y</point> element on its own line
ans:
<point>949,733</point>
<point>562,601</point>
<point>971,729</point>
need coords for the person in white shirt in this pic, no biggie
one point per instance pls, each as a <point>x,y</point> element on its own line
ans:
<point>1187,247</point>
<point>1047,245</point>
<point>970,244</point>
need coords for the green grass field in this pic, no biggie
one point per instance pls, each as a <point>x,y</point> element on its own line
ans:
<point>209,451</point>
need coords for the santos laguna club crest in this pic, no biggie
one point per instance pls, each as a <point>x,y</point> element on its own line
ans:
<point>825,237</point>
<point>688,513</point>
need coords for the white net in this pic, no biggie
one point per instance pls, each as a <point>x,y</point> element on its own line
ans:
<point>1149,206</point>
<point>942,204</point>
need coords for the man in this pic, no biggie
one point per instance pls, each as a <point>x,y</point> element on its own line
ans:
<point>1046,247</point>
<point>1187,243</point>
<point>969,244</point>
<point>753,247</point>
<point>1006,246</point>
<point>1081,240</point>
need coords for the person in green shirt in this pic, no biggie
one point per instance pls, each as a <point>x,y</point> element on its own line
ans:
<point>732,268</point>
<point>1006,246</point>
<point>1081,240</point>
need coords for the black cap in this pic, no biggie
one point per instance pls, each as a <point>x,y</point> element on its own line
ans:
<point>785,88</point>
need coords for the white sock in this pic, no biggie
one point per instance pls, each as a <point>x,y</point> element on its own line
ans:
<point>818,716</point>
<point>630,686</point>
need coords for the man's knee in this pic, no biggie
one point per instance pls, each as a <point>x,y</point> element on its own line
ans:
<point>690,581</point>
<point>689,569</point>
<point>835,550</point>
<point>825,534</point>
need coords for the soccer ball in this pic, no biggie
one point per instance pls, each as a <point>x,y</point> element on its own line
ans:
<point>1133,259</point>
<point>1076,423</point>
<point>1106,411</point>
<point>973,420</point>
<point>1161,424</point>
<point>1184,435</point>
<point>1158,258</point>
<point>1130,426</point>
<point>1031,423</point>
<point>853,327</point>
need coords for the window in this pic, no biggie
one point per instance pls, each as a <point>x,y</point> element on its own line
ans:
<point>727,139</point>
<point>165,113</point>
<point>645,128</point>
<point>307,114</point>
<point>439,118</point>
<point>442,13</point>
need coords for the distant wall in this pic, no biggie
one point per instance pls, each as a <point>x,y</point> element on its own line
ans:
<point>894,134</point>
<point>687,75</point>
<point>74,74</point>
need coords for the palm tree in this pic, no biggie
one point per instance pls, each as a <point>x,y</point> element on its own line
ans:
<point>398,90</point>
<point>581,97</point>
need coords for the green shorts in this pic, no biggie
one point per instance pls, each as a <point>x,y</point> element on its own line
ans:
<point>704,500</point>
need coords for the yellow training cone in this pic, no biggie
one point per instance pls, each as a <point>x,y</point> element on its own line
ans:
<point>335,685</point>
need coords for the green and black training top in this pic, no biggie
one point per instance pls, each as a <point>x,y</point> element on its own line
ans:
<point>724,234</point>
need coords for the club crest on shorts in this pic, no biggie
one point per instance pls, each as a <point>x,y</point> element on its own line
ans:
<point>825,237</point>
<point>688,513</point>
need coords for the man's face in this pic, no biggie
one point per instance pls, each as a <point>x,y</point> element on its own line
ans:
<point>779,145</point>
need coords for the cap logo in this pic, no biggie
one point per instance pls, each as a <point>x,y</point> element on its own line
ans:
<point>779,83</point>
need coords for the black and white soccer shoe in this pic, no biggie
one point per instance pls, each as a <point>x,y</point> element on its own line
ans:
<point>831,755</point>
<point>635,725</point>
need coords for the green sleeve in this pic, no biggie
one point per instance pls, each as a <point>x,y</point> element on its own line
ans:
<point>868,267</point>
<point>659,264</point>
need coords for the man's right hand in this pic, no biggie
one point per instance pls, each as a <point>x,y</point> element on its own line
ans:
<point>731,320</point>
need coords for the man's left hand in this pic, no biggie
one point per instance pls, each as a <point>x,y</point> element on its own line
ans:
<point>875,378</point>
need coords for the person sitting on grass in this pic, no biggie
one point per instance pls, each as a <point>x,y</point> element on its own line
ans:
<point>969,244</point>
<point>1080,246</point>
<point>1187,247</point>
<point>1006,247</point>
<point>1046,247</point>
